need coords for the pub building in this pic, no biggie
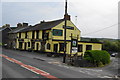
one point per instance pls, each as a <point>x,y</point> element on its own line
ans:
<point>48,37</point>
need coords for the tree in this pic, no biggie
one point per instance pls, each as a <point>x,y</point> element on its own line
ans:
<point>94,40</point>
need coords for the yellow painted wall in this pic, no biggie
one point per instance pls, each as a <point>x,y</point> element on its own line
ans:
<point>95,46</point>
<point>29,33</point>
<point>74,32</point>
<point>17,44</point>
<point>40,34</point>
<point>57,42</point>
<point>23,35</point>
<point>39,46</point>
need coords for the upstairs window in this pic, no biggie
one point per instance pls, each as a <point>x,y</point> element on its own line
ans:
<point>57,32</point>
<point>25,34</point>
<point>88,47</point>
<point>19,35</point>
<point>33,34</point>
<point>37,34</point>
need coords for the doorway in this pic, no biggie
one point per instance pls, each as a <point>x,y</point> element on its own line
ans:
<point>37,46</point>
<point>55,47</point>
<point>25,46</point>
<point>33,45</point>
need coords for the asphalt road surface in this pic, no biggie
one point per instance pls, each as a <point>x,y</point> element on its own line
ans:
<point>23,64</point>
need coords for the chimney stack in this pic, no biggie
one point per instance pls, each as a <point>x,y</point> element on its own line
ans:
<point>25,24</point>
<point>42,21</point>
<point>19,25</point>
<point>67,17</point>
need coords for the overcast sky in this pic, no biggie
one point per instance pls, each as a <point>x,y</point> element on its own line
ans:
<point>95,18</point>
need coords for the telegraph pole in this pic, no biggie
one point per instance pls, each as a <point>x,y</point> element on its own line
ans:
<point>64,57</point>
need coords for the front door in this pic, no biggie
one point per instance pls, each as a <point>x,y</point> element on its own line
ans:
<point>25,46</point>
<point>55,47</point>
<point>33,45</point>
<point>37,46</point>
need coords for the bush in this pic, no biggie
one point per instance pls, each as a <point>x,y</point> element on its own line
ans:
<point>97,57</point>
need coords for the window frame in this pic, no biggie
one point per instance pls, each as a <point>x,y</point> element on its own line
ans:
<point>80,49</point>
<point>88,47</point>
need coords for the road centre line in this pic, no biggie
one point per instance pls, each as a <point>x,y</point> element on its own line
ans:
<point>31,68</point>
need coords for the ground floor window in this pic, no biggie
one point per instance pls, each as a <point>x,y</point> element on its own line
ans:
<point>80,48</point>
<point>48,46</point>
<point>20,45</point>
<point>61,47</point>
<point>88,47</point>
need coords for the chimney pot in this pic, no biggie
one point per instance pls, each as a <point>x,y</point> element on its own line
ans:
<point>25,24</point>
<point>67,17</point>
<point>19,25</point>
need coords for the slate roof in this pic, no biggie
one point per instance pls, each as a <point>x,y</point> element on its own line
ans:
<point>43,25</point>
<point>17,29</point>
<point>1,28</point>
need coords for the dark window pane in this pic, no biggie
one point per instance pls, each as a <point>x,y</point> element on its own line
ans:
<point>28,44</point>
<point>19,35</point>
<point>25,34</point>
<point>33,34</point>
<point>88,47</point>
<point>48,46</point>
<point>37,34</point>
<point>80,48</point>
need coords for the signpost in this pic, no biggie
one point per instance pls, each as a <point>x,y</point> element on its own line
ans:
<point>64,57</point>
<point>74,45</point>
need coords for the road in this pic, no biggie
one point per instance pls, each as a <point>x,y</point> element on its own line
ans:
<point>44,67</point>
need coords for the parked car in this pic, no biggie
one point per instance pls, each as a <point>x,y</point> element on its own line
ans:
<point>114,54</point>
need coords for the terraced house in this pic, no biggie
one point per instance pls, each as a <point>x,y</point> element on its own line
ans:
<point>49,37</point>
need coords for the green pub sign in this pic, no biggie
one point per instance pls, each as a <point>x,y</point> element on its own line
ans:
<point>57,32</point>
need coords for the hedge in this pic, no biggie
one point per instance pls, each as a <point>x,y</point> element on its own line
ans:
<point>97,57</point>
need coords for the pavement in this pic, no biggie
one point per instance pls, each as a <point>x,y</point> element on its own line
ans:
<point>56,67</point>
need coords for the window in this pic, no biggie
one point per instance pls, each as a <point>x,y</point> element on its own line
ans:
<point>33,34</point>
<point>28,44</point>
<point>37,34</point>
<point>57,32</point>
<point>61,47</point>
<point>46,36</point>
<point>25,34</point>
<point>88,47</point>
<point>19,35</point>
<point>80,47</point>
<point>48,46</point>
